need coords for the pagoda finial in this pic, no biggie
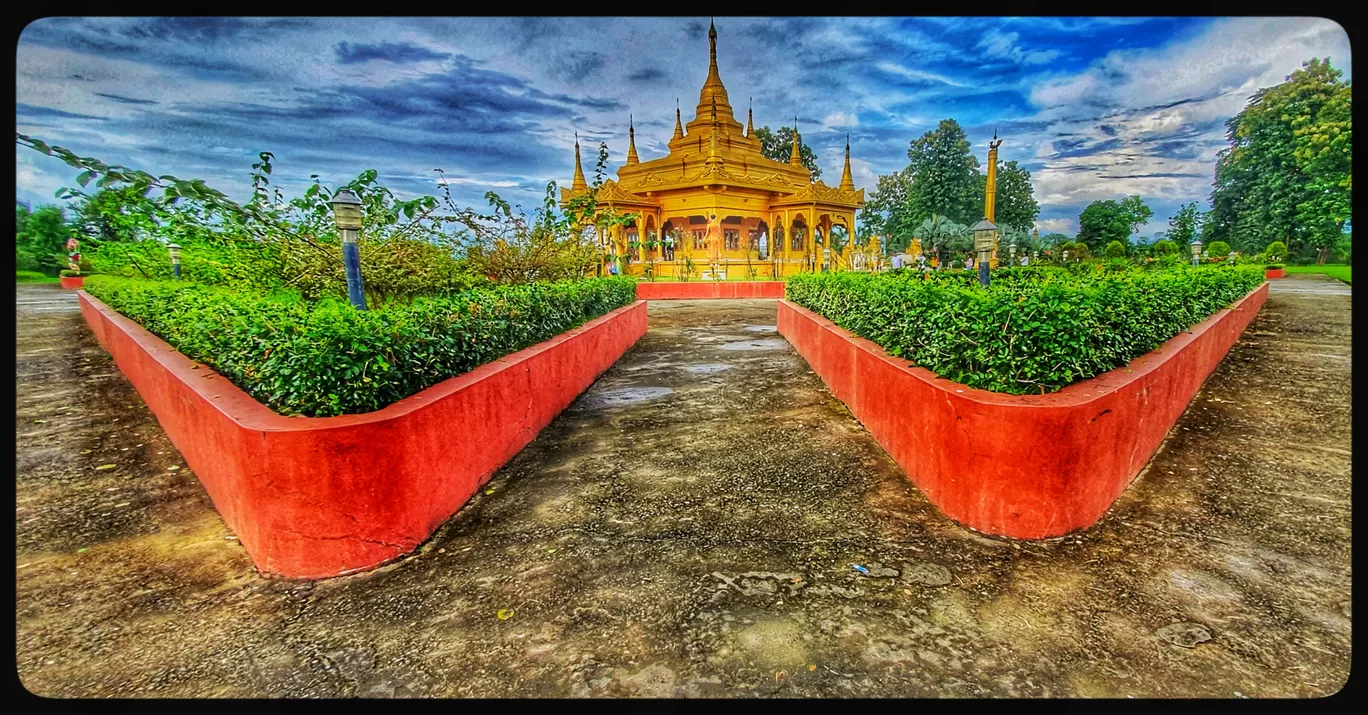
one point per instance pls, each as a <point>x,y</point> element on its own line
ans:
<point>796,158</point>
<point>631,143</point>
<point>847,183</point>
<point>578,184</point>
<point>712,87</point>
<point>750,117</point>
<point>679,126</point>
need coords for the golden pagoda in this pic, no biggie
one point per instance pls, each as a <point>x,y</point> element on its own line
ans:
<point>714,207</point>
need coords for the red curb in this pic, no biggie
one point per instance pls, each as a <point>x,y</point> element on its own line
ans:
<point>703,290</point>
<point>1274,273</point>
<point>1021,466</point>
<point>313,497</point>
<point>72,282</point>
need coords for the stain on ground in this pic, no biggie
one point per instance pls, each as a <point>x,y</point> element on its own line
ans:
<point>689,531</point>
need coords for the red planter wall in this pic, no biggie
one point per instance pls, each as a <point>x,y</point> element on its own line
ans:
<point>1274,273</point>
<point>72,282</point>
<point>318,497</point>
<point>1027,467</point>
<point>673,290</point>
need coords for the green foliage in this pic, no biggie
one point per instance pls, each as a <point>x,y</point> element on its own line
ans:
<point>945,178</point>
<point>888,211</point>
<point>1276,251</point>
<point>1116,249</point>
<point>1105,221</point>
<point>1184,224</point>
<point>325,358</point>
<point>21,276</point>
<point>1055,239</point>
<point>1218,249</point>
<point>1288,172</point>
<point>1035,329</point>
<point>1165,248</point>
<point>779,147</point>
<point>40,238</point>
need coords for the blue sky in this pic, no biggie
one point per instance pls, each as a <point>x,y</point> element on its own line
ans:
<point>1096,108</point>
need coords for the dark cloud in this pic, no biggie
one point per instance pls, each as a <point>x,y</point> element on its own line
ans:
<point>126,100</point>
<point>577,65</point>
<point>1107,129</point>
<point>648,74</point>
<point>28,110</point>
<point>397,52</point>
<point>1077,148</point>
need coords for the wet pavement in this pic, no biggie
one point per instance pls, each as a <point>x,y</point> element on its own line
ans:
<point>689,527</point>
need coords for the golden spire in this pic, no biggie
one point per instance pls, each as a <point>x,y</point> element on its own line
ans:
<point>578,184</point>
<point>712,87</point>
<point>990,190</point>
<point>679,127</point>
<point>750,115</point>
<point>631,143</point>
<point>847,183</point>
<point>796,158</point>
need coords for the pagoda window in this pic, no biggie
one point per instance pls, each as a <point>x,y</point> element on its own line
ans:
<point>733,239</point>
<point>698,239</point>
<point>797,239</point>
<point>778,239</point>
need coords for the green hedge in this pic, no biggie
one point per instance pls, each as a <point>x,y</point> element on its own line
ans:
<point>1034,330</point>
<point>325,358</point>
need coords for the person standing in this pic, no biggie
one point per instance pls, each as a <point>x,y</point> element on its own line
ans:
<point>969,263</point>
<point>897,260</point>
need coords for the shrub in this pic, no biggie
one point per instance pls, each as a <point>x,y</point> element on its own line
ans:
<point>68,273</point>
<point>1276,251</point>
<point>1116,249</point>
<point>1218,249</point>
<point>1039,331</point>
<point>1165,248</point>
<point>23,276</point>
<point>325,358</point>
<point>1274,266</point>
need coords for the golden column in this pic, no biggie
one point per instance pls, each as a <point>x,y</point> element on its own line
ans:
<point>990,193</point>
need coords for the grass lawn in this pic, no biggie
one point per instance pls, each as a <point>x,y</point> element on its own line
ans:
<point>1340,272</point>
<point>34,277</point>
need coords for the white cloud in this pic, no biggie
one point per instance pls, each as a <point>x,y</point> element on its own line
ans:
<point>917,74</point>
<point>840,119</point>
<point>996,43</point>
<point>1056,225</point>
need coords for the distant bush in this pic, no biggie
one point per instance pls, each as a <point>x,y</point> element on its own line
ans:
<point>24,276</point>
<point>1276,251</point>
<point>1116,249</point>
<point>1218,249</point>
<point>1165,248</point>
<point>1036,332</point>
<point>326,358</point>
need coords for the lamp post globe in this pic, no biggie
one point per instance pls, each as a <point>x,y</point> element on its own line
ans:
<point>985,233</point>
<point>347,217</point>
<point>174,250</point>
<point>1196,250</point>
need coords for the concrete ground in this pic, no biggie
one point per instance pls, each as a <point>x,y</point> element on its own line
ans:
<point>688,528</point>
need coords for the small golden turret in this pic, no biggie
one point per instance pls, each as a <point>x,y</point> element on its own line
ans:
<point>631,143</point>
<point>796,158</point>
<point>847,182</point>
<point>679,127</point>
<point>578,184</point>
<point>750,124</point>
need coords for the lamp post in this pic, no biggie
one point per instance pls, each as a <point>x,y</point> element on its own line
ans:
<point>1011,251</point>
<point>347,215</point>
<point>984,233</point>
<point>1196,250</point>
<point>175,251</point>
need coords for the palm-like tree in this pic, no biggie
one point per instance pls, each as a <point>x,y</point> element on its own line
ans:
<point>944,235</point>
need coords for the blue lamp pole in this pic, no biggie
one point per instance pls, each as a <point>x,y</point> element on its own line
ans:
<point>175,251</point>
<point>347,215</point>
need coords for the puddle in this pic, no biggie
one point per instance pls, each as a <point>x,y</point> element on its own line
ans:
<point>707,368</point>
<point>755,345</point>
<point>761,328</point>
<point>624,396</point>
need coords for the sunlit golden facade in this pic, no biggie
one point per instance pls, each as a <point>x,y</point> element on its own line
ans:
<point>717,208</point>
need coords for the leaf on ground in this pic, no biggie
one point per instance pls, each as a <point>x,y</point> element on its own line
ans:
<point>504,614</point>
<point>173,468</point>
<point>106,466</point>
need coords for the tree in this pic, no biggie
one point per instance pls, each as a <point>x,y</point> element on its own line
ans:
<point>779,147</point>
<point>1116,249</point>
<point>887,211</point>
<point>1055,239</point>
<point>1136,212</point>
<point>1184,224</point>
<point>1218,249</point>
<point>1287,174</point>
<point>1105,221</point>
<point>40,238</point>
<point>941,235</point>
<point>1165,248</point>
<point>116,214</point>
<point>1016,204</point>
<point>945,178</point>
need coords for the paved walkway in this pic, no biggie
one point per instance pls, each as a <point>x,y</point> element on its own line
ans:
<point>687,528</point>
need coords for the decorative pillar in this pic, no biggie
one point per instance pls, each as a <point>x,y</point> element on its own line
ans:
<point>990,193</point>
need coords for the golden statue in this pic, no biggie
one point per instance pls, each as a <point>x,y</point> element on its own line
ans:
<point>713,240</point>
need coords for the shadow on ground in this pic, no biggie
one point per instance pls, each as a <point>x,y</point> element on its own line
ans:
<point>688,528</point>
